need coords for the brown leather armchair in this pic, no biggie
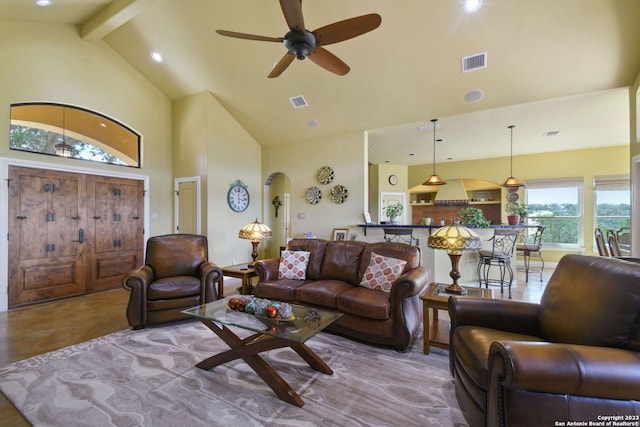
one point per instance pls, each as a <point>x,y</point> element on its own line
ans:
<point>176,275</point>
<point>575,356</point>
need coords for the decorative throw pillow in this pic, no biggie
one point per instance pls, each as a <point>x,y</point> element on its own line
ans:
<point>382,272</point>
<point>293,265</point>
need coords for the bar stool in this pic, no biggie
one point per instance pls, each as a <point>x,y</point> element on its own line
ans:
<point>401,235</point>
<point>531,248</point>
<point>503,243</point>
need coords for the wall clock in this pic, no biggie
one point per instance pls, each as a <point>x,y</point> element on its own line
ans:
<point>393,179</point>
<point>238,197</point>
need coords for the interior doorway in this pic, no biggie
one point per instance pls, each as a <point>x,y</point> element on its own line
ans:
<point>187,205</point>
<point>278,211</point>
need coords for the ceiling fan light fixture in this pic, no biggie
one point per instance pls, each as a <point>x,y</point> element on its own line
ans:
<point>434,179</point>
<point>511,182</point>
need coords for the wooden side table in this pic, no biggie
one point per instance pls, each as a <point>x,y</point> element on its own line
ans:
<point>241,271</point>
<point>436,333</point>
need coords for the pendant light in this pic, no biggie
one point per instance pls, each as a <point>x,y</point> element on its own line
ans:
<point>434,179</point>
<point>512,182</point>
<point>63,149</point>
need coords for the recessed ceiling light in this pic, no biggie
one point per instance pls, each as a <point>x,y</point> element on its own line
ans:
<point>156,56</point>
<point>313,123</point>
<point>471,6</point>
<point>44,2</point>
<point>474,95</point>
<point>551,133</point>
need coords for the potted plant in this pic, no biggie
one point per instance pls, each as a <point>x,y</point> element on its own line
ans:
<point>473,216</point>
<point>515,212</point>
<point>393,212</point>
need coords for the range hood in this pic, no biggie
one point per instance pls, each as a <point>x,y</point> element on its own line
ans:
<point>453,193</point>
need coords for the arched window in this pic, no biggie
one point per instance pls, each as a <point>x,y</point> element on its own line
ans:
<point>74,132</point>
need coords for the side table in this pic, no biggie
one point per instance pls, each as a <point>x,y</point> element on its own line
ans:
<point>436,333</point>
<point>241,271</point>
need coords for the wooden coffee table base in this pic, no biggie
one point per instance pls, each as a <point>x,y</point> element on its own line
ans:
<point>248,349</point>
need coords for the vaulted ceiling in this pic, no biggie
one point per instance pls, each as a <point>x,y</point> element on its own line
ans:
<point>551,66</point>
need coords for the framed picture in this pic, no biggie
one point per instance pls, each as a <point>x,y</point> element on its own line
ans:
<point>367,218</point>
<point>340,234</point>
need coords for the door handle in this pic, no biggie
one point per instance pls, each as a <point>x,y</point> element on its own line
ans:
<point>80,236</point>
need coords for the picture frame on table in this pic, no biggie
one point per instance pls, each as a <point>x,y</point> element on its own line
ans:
<point>367,218</point>
<point>340,234</point>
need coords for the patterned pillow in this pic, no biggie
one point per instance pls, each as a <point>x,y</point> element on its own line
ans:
<point>382,272</point>
<point>293,265</point>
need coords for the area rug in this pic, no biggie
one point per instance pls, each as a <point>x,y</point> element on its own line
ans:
<point>148,378</point>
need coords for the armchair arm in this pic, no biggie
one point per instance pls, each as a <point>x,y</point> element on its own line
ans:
<point>600,372</point>
<point>137,282</point>
<point>503,315</point>
<point>267,269</point>
<point>210,274</point>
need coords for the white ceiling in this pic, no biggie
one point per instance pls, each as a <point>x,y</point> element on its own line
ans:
<point>552,66</point>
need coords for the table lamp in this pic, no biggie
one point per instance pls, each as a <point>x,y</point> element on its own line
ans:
<point>255,231</point>
<point>454,239</point>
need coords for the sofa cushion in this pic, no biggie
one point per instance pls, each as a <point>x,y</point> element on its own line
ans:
<point>381,272</point>
<point>279,290</point>
<point>293,265</point>
<point>322,292</point>
<point>342,261</point>
<point>174,287</point>
<point>316,247</point>
<point>365,302</point>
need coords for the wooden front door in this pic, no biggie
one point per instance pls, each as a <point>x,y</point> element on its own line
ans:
<point>56,246</point>
<point>46,214</point>
<point>115,227</point>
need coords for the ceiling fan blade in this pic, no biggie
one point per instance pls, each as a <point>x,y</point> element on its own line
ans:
<point>329,61</point>
<point>292,10</point>
<point>282,65</point>
<point>347,29</point>
<point>249,36</point>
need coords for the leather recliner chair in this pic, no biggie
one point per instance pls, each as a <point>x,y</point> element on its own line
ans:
<point>177,275</point>
<point>575,356</point>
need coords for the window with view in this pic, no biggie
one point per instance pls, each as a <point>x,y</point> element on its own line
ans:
<point>556,205</point>
<point>73,132</point>
<point>612,202</point>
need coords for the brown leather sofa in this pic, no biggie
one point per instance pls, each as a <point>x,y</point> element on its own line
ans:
<point>575,356</point>
<point>334,271</point>
<point>177,275</point>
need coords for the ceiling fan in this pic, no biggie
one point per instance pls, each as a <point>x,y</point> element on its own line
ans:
<point>301,43</point>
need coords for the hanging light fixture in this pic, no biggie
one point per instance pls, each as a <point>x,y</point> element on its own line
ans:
<point>512,182</point>
<point>434,179</point>
<point>63,149</point>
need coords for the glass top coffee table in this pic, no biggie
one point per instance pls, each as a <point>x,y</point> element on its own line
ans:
<point>270,333</point>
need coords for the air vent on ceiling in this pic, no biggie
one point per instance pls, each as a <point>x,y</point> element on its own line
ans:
<point>298,101</point>
<point>474,62</point>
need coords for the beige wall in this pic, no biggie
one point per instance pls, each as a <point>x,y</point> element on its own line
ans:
<point>570,164</point>
<point>345,154</point>
<point>50,63</point>
<point>209,143</point>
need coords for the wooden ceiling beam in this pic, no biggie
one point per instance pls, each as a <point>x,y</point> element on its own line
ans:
<point>117,13</point>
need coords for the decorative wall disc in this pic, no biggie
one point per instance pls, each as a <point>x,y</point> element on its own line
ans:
<point>338,194</point>
<point>325,175</point>
<point>513,197</point>
<point>313,195</point>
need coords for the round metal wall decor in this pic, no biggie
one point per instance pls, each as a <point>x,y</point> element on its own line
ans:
<point>325,175</point>
<point>313,195</point>
<point>338,194</point>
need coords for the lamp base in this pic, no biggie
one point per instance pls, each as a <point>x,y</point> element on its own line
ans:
<point>455,289</point>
